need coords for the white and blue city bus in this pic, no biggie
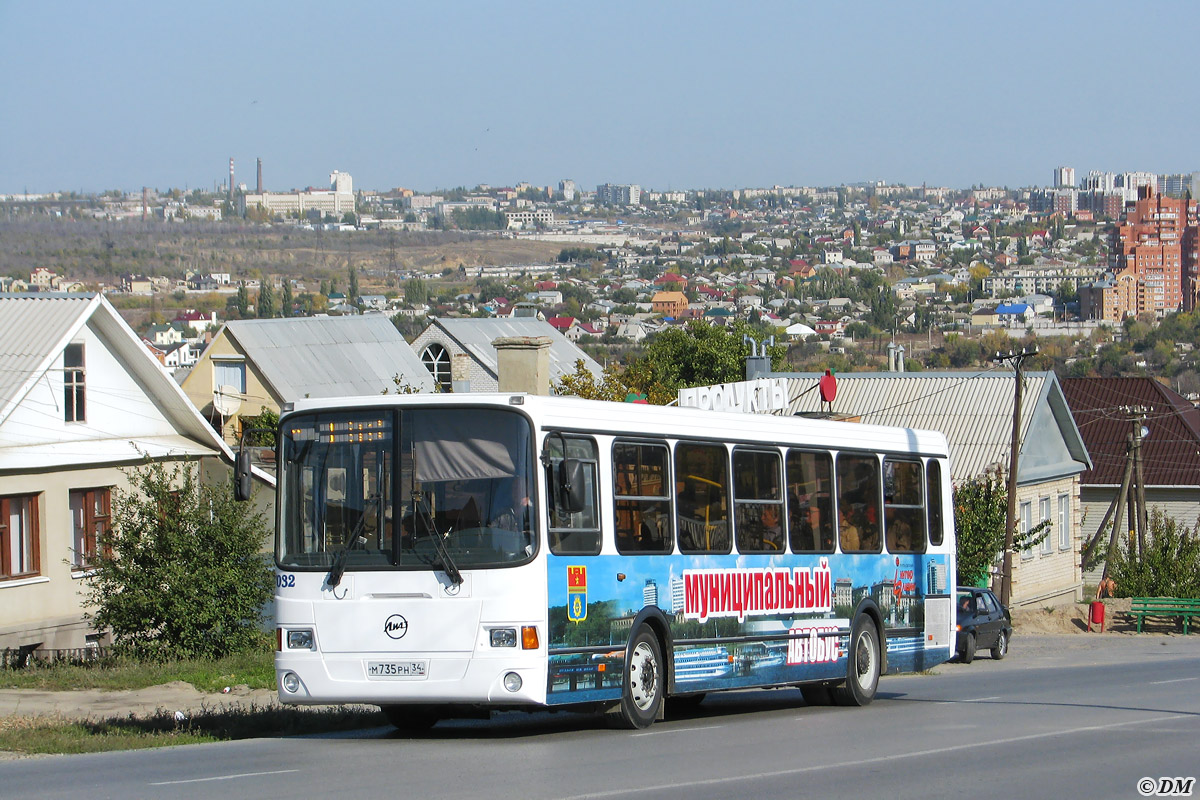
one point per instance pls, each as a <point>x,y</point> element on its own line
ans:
<point>446,555</point>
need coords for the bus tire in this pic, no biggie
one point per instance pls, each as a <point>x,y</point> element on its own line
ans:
<point>862,665</point>
<point>642,689</point>
<point>411,719</point>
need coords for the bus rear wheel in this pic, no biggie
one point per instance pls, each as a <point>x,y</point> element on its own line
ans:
<point>412,718</point>
<point>862,666</point>
<point>642,689</point>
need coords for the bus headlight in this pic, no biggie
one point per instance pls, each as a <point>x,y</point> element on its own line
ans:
<point>290,682</point>
<point>504,637</point>
<point>512,682</point>
<point>301,639</point>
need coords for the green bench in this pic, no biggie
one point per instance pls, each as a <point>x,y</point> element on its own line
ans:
<point>1182,607</point>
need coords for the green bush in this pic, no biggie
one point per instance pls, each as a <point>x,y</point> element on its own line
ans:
<point>980,516</point>
<point>1170,566</point>
<point>180,573</point>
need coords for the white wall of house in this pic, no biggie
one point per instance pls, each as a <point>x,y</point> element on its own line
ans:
<point>1049,574</point>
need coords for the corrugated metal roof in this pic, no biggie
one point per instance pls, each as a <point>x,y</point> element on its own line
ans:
<point>329,356</point>
<point>476,337</point>
<point>973,409</point>
<point>1170,452</point>
<point>32,330</point>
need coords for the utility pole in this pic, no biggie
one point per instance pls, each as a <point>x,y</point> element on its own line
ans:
<point>1018,362</point>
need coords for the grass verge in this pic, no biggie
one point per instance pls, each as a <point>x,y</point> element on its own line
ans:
<point>45,735</point>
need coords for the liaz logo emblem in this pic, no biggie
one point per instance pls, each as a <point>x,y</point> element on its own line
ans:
<point>396,626</point>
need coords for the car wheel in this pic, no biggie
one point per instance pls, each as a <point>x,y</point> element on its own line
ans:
<point>862,666</point>
<point>642,693</point>
<point>968,653</point>
<point>1001,648</point>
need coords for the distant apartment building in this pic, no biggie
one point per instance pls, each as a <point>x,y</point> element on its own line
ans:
<point>568,189</point>
<point>1153,261</point>
<point>421,202</point>
<point>1038,280</point>
<point>446,210</point>
<point>529,218</point>
<point>1064,178</point>
<point>335,201</point>
<point>909,250</point>
<point>613,194</point>
<point>1180,184</point>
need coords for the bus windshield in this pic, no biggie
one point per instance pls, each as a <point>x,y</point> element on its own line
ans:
<point>375,486</point>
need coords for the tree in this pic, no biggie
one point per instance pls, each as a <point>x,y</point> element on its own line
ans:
<point>582,383</point>
<point>416,291</point>
<point>243,300</point>
<point>288,303</point>
<point>353,284</point>
<point>179,573</point>
<point>266,301</point>
<point>980,517</point>
<point>1169,566</point>
<point>699,355</point>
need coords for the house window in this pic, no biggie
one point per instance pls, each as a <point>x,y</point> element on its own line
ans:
<point>89,521</point>
<point>1024,524</point>
<point>1044,516</point>
<point>73,384</point>
<point>18,536</point>
<point>230,373</point>
<point>437,360</point>
<point>1064,522</point>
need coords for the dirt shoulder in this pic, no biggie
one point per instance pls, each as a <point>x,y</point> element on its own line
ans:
<point>96,704</point>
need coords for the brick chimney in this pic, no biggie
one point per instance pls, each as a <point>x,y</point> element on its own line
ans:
<point>523,364</point>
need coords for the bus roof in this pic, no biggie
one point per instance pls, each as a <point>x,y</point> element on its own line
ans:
<point>602,417</point>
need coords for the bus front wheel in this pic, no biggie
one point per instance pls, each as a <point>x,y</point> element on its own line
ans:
<point>862,665</point>
<point>642,692</point>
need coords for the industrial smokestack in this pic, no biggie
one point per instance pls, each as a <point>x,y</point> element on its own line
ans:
<point>231,178</point>
<point>259,190</point>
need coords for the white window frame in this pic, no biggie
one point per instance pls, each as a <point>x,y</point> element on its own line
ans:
<point>1024,523</point>
<point>1064,522</point>
<point>1044,513</point>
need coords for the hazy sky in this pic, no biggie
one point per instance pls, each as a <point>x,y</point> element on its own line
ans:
<point>121,95</point>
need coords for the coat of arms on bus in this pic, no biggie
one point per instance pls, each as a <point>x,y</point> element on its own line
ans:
<point>577,594</point>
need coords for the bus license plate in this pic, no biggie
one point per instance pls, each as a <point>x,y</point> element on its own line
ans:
<point>397,669</point>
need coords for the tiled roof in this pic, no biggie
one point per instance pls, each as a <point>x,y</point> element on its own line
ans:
<point>1171,448</point>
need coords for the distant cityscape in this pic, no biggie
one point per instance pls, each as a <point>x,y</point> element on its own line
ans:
<point>1066,259</point>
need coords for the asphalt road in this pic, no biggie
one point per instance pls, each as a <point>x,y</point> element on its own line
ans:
<point>1062,717</point>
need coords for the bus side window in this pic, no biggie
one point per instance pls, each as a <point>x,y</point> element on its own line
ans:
<point>810,501</point>
<point>858,493</point>
<point>577,533</point>
<point>904,510</point>
<point>933,500</point>
<point>758,502</point>
<point>702,498</point>
<point>643,504</point>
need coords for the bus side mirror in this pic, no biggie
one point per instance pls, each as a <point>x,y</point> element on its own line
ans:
<point>241,476</point>
<point>570,495</point>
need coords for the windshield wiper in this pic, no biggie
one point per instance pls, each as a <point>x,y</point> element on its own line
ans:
<point>439,544</point>
<point>356,539</point>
